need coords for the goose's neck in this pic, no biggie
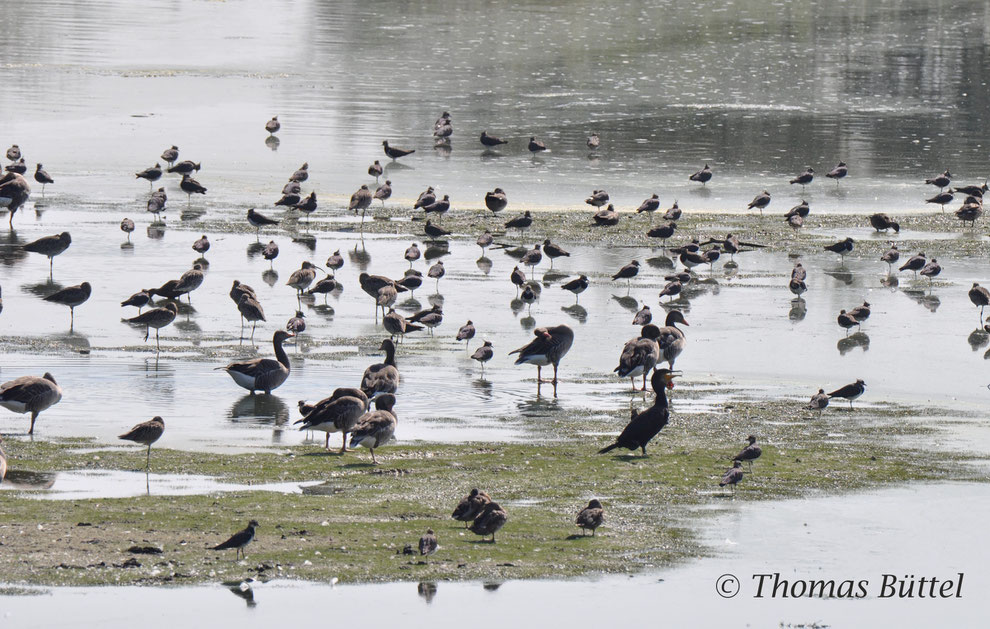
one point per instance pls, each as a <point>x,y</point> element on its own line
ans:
<point>390,356</point>
<point>281,356</point>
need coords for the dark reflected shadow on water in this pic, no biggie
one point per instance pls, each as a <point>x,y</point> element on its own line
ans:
<point>244,590</point>
<point>427,590</point>
<point>260,409</point>
<point>484,265</point>
<point>156,231</point>
<point>553,276</point>
<point>24,479</point>
<point>842,274</point>
<point>577,312</point>
<point>360,257</point>
<point>628,302</point>
<point>272,142</point>
<point>799,309</point>
<point>306,240</point>
<point>254,249</point>
<point>44,289</point>
<point>928,300</point>
<point>437,249</point>
<point>851,342</point>
<point>269,276</point>
<point>660,262</point>
<point>978,339</point>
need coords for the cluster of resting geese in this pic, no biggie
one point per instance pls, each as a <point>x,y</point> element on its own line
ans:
<point>348,410</point>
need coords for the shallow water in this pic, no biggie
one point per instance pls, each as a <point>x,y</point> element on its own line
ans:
<point>859,536</point>
<point>759,89</point>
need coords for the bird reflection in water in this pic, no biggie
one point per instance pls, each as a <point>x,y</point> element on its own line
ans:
<point>272,142</point>
<point>978,339</point>
<point>929,301</point>
<point>660,262</point>
<point>484,265</point>
<point>156,231</point>
<point>255,249</point>
<point>628,302</point>
<point>261,409</point>
<point>576,311</point>
<point>851,342</point>
<point>427,589</point>
<point>243,590</point>
<point>269,276</point>
<point>359,257</point>
<point>798,311</point>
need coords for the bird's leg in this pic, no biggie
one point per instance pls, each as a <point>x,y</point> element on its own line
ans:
<point>539,378</point>
<point>644,382</point>
<point>555,376</point>
<point>34,416</point>
<point>148,462</point>
<point>147,333</point>
<point>326,444</point>
<point>632,381</point>
<point>373,459</point>
<point>157,341</point>
<point>253,326</point>
<point>343,445</point>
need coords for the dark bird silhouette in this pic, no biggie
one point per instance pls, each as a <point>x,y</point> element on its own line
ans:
<point>837,173</point>
<point>434,232</point>
<point>703,176</point>
<point>536,146</point>
<point>202,245</point>
<point>360,200</point>
<point>842,247</point>
<point>72,296</point>
<point>930,270</point>
<point>973,191</point>
<point>338,413</point>
<point>940,181</point>
<point>170,155</point>
<point>606,217</point>
<point>439,207</point>
<point>14,153</point>
<point>804,178</point>
<point>15,189</point>
<point>732,476</point>
<point>749,453</point>
<point>491,140</point>
<point>643,317</point>
<point>819,402</point>
<point>376,428</point>
<point>980,297</point>
<point>42,177</point>
<point>598,198</point>
<point>489,521</point>
<point>577,286</point>
<point>273,125</point>
<point>850,392</point>
<point>663,232</point>
<point>639,356</point>
<point>18,167</point>
<point>942,198</point>
<point>483,354</point>
<point>890,256</point>
<point>760,201</point>
<point>594,141</point>
<point>915,263</point>
<point>50,246</point>
<point>847,321</point>
<point>882,222</point>
<point>553,251</point>
<point>428,543</point>
<point>146,433</point>
<point>591,517</point>
<point>972,209</point>
<point>185,167</point>
<point>627,272</point>
<point>156,318</point>
<point>190,186</point>
<point>673,213</point>
<point>382,377</point>
<point>152,174</point>
<point>649,206</point>
<point>30,394</point>
<point>395,152</point>
<point>643,426</point>
<point>861,313</point>
<point>376,170</point>
<point>470,506</point>
<point>548,348</point>
<point>239,540</point>
<point>259,220</point>
<point>262,374</point>
<point>496,201</point>
<point>427,197</point>
<point>384,191</point>
<point>520,222</point>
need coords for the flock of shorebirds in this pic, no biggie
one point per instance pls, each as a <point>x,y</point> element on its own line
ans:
<point>349,410</point>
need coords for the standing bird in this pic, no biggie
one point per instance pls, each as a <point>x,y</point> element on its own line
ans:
<point>673,213</point>
<point>483,354</point>
<point>484,241</point>
<point>51,246</point>
<point>376,170</point>
<point>548,348</point>
<point>152,174</point>
<point>383,192</point>
<point>535,146</point>
<point>436,272</point>
<point>732,476</point>
<point>598,198</point>
<point>170,155</point>
<point>302,277</point>
<point>14,153</point>
<point>639,356</point>
<point>594,141</point>
<point>308,205</point>
<point>649,206</point>
<point>577,286</point>
<point>30,394</point>
<point>273,125</point>
<point>42,177</point>
<point>847,321</point>
<point>914,263</point>
<point>426,197</point>
<point>749,453</point>
<point>338,413</point>
<point>819,402</point>
<point>842,247</point>
<point>643,426</point>
<point>760,201</point>
<point>553,251</point>
<point>890,256</point>
<point>470,506</point>
<point>336,261</point>
<point>202,245</point>
<point>882,222</point>
<point>804,178</point>
<point>941,181</point>
<point>185,167</point>
<point>672,339</point>
<point>704,175</point>
<point>591,517</point>
<point>932,269</point>
<point>146,433</point>
<point>15,190</point>
<point>643,317</point>
<point>190,186</point>
<point>466,333</point>
<point>531,258</point>
<point>663,232</point>
<point>796,284</point>
<point>360,200</point>
<point>377,427</point>
<point>72,296</point>
<point>980,297</point>
<point>428,544</point>
<point>627,272</point>
<point>412,254</point>
<point>971,209</point>
<point>395,152</point>
<point>861,313</point>
<point>156,203</point>
<point>439,207</point>
<point>251,310</point>
<point>837,173</point>
<point>18,167</point>
<point>491,140</point>
<point>382,377</point>
<point>296,324</point>
<point>139,299</point>
<point>301,174</point>
<point>850,392</point>
<point>942,198</point>
<point>397,325</point>
<point>496,201</point>
<point>270,252</point>
<point>262,374</point>
<point>239,540</point>
<point>489,521</point>
<point>520,222</point>
<point>156,318</point>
